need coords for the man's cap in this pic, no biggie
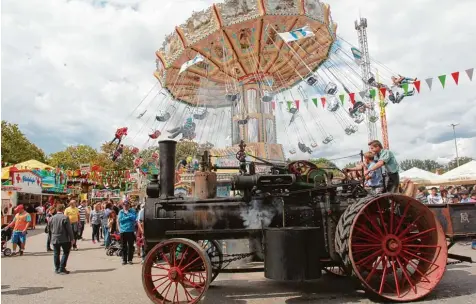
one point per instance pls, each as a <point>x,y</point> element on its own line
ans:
<point>463,192</point>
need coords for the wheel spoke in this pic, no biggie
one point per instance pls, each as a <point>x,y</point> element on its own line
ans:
<point>417,235</point>
<point>382,281</point>
<point>380,213</point>
<point>367,232</point>
<point>392,214</point>
<point>374,223</point>
<point>407,207</point>
<point>405,274</point>
<point>395,276</point>
<point>168,290</point>
<point>419,257</point>
<point>374,268</point>
<point>368,258</point>
<point>406,230</point>
<point>183,255</point>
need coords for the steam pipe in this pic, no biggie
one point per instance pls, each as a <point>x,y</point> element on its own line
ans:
<point>167,167</point>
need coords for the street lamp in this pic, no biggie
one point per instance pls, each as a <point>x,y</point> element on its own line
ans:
<point>456,146</point>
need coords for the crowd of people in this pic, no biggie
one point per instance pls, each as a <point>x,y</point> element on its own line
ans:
<point>446,195</point>
<point>65,227</point>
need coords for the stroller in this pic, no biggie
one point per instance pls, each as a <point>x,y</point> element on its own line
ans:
<point>6,236</point>
<point>115,248</point>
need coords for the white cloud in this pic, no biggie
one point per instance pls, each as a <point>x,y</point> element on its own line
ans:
<point>74,70</point>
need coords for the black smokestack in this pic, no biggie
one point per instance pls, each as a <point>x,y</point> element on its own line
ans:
<point>167,167</point>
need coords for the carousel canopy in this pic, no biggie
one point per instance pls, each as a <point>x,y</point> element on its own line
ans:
<point>462,174</point>
<point>238,41</point>
<point>420,176</point>
<point>26,165</point>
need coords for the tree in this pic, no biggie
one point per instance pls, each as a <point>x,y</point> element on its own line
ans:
<point>351,165</point>
<point>462,160</point>
<point>186,149</point>
<point>73,156</point>
<point>426,164</point>
<point>323,163</point>
<point>16,148</point>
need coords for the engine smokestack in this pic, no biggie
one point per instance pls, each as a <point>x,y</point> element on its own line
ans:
<point>167,167</point>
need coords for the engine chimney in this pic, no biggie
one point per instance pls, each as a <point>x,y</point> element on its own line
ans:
<point>167,167</point>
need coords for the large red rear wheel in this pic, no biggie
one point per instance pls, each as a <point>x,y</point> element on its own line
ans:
<point>176,271</point>
<point>394,245</point>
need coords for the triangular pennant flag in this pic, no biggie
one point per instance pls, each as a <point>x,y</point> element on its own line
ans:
<point>297,104</point>
<point>469,72</point>
<point>405,87</point>
<point>417,85</point>
<point>341,97</point>
<point>383,91</point>
<point>362,94</point>
<point>323,101</point>
<point>314,100</point>
<point>273,105</point>
<point>289,104</point>
<point>352,97</point>
<point>442,79</point>
<point>373,93</point>
<point>429,82</point>
<point>455,76</point>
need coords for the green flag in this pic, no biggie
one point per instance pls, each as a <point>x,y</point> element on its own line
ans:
<point>314,100</point>
<point>289,104</point>
<point>442,79</point>
<point>373,93</point>
<point>405,87</point>
<point>341,97</point>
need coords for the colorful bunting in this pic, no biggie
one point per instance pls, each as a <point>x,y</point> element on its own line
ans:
<point>289,104</point>
<point>429,82</point>
<point>373,93</point>
<point>469,72</point>
<point>341,97</point>
<point>352,98</point>
<point>314,100</point>
<point>323,101</point>
<point>362,94</point>
<point>405,87</point>
<point>416,84</point>
<point>297,104</point>
<point>273,105</point>
<point>442,79</point>
<point>455,76</point>
<point>383,91</point>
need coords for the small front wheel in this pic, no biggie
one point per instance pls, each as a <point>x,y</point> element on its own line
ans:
<point>7,252</point>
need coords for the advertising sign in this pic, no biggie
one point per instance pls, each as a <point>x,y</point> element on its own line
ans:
<point>27,181</point>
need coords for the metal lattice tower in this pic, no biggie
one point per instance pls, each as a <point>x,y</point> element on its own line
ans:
<point>361,28</point>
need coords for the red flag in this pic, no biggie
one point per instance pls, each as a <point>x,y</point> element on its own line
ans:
<point>383,91</point>
<point>455,76</point>
<point>417,85</point>
<point>273,105</point>
<point>352,98</point>
<point>323,101</point>
<point>297,104</point>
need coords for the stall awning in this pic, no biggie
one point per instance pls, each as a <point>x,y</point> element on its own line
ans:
<point>26,165</point>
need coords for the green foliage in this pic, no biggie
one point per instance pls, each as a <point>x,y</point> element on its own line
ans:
<point>73,156</point>
<point>186,149</point>
<point>425,164</point>
<point>351,165</point>
<point>16,148</point>
<point>323,163</point>
<point>462,160</point>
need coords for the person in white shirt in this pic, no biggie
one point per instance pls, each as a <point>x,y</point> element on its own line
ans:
<point>464,196</point>
<point>434,197</point>
<point>40,214</point>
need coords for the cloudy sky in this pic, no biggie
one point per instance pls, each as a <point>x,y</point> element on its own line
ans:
<point>74,70</point>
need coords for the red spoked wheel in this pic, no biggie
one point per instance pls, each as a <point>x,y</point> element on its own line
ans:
<point>394,245</point>
<point>176,271</point>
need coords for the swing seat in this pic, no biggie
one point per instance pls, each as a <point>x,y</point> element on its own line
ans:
<point>243,122</point>
<point>331,88</point>
<point>371,80</point>
<point>162,117</point>
<point>333,106</point>
<point>314,144</point>
<point>293,110</point>
<point>328,139</point>
<point>267,98</point>
<point>350,130</point>
<point>373,118</point>
<point>311,81</point>
<point>359,118</point>
<point>292,151</point>
<point>232,97</point>
<point>201,115</point>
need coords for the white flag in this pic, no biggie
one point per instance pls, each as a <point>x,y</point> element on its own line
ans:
<point>186,65</point>
<point>297,34</point>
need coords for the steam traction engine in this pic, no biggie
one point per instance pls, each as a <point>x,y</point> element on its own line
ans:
<point>303,222</point>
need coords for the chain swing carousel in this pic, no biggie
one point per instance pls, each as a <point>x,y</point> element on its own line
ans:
<point>242,61</point>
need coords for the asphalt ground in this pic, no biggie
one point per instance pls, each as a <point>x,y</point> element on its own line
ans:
<point>100,279</point>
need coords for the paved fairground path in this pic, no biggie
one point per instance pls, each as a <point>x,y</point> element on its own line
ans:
<point>99,279</point>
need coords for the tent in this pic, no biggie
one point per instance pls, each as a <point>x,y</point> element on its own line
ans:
<point>420,176</point>
<point>26,165</point>
<point>464,174</point>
